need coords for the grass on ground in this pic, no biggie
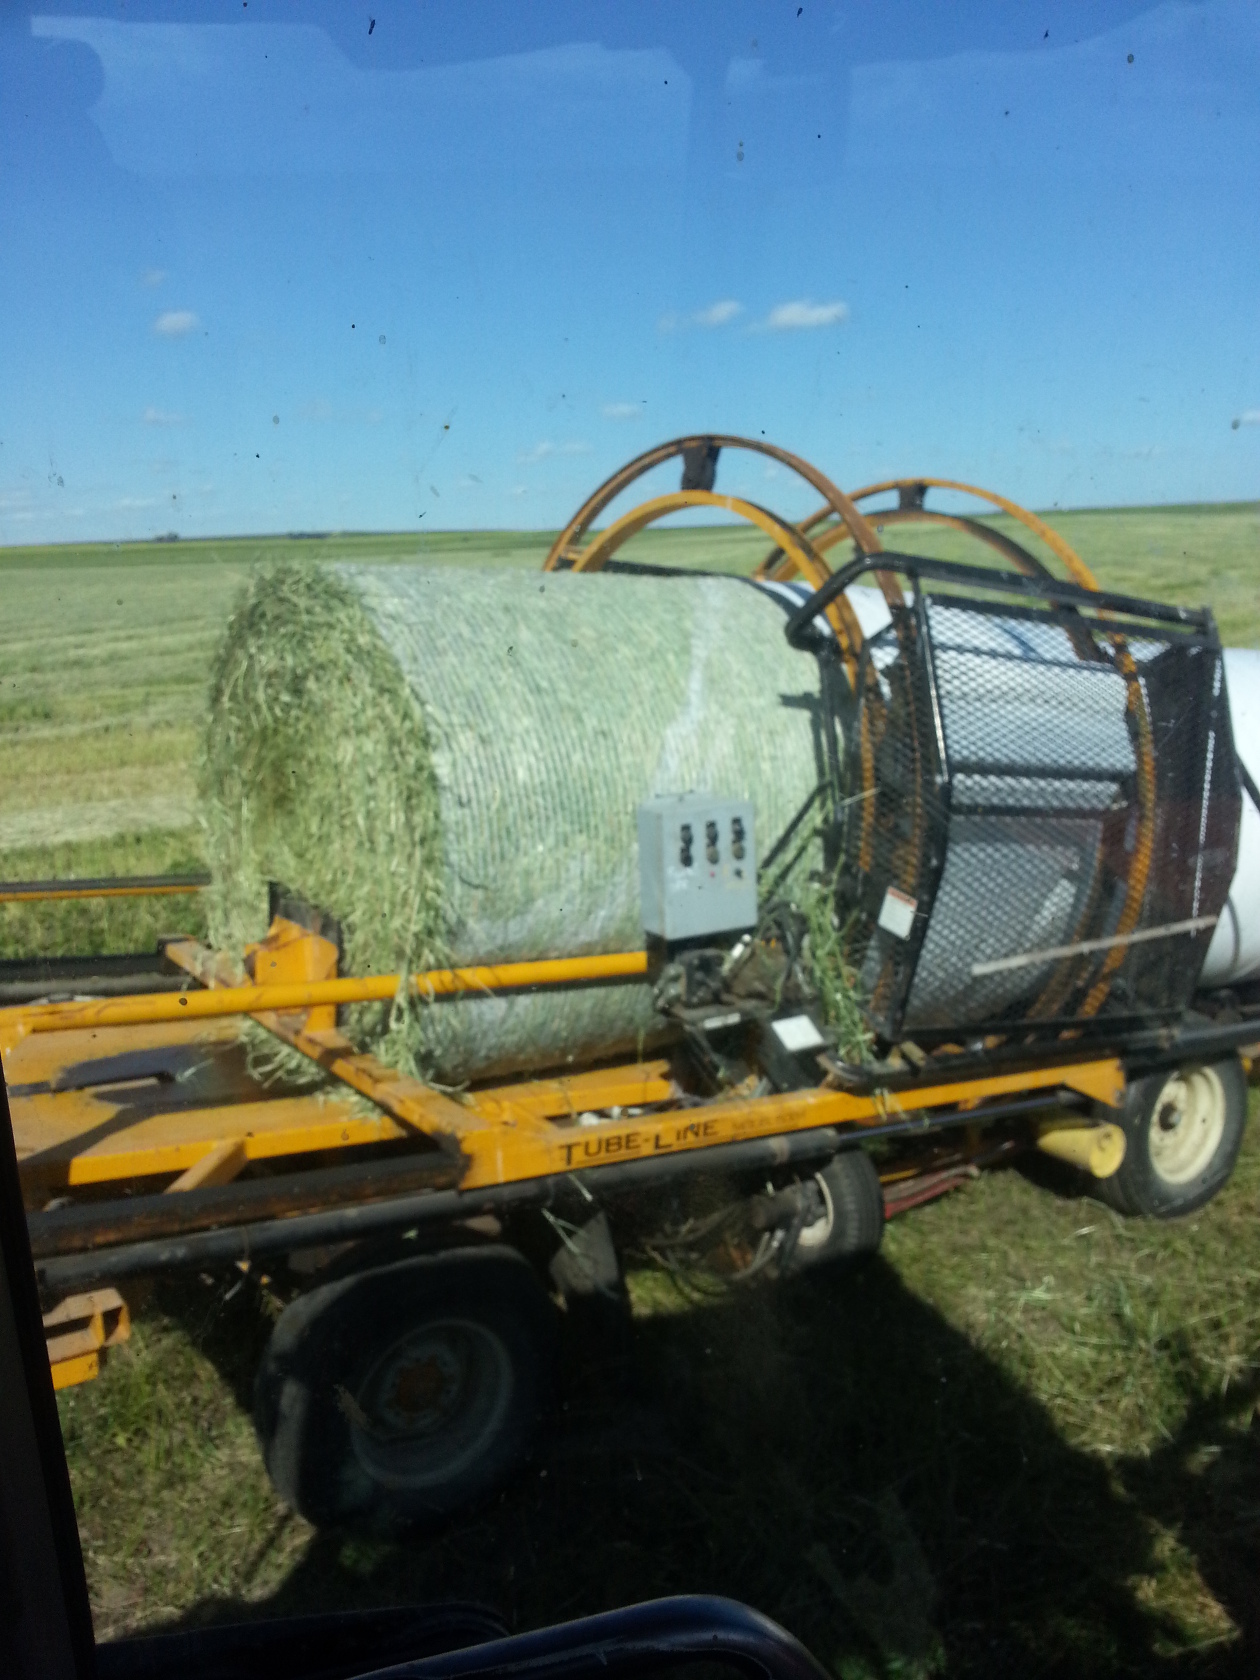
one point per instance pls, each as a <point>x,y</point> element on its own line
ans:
<point>1024,1439</point>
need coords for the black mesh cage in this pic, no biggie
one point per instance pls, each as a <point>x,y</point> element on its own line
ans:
<point>1040,814</point>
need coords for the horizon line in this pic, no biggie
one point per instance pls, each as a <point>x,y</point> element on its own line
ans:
<point>175,539</point>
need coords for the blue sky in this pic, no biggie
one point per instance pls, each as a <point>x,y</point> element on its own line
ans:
<point>273,267</point>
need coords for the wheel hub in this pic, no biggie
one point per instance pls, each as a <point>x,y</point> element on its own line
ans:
<point>420,1390</point>
<point>432,1403</point>
<point>1187,1124</point>
<point>817,1233</point>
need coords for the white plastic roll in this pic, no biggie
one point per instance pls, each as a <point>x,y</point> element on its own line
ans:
<point>1234,953</point>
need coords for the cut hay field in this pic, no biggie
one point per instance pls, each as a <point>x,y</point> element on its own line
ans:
<point>1025,1439</point>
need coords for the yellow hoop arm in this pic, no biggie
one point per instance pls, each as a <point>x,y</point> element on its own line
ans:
<point>564,550</point>
<point>1075,566</point>
<point>1077,569</point>
<point>776,564</point>
<point>804,555</point>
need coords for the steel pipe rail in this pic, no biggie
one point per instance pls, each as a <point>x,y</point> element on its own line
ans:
<point>310,994</point>
<point>102,886</point>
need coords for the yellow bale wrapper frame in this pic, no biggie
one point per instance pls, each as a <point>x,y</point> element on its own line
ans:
<point>103,1099</point>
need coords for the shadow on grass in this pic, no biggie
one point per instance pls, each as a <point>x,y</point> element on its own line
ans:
<point>834,1453</point>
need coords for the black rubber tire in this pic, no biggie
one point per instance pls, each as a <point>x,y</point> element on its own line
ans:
<point>1138,1186</point>
<point>480,1327</point>
<point>855,1213</point>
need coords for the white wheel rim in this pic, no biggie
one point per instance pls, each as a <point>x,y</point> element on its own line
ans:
<point>815,1235</point>
<point>1187,1124</point>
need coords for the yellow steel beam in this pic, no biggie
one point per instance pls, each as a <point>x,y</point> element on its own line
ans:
<point>221,1163</point>
<point>637,1086</point>
<point>503,1134</point>
<point>16,1023</point>
<point>84,1367</point>
<point>140,886</point>
<point>69,1145</point>
<point>499,1154</point>
<point>93,1107</point>
<point>417,1106</point>
<point>76,1331</point>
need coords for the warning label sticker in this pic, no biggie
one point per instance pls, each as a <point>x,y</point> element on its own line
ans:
<point>896,914</point>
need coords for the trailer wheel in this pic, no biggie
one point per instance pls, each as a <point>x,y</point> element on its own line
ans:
<point>1183,1131</point>
<point>853,1219</point>
<point>398,1396</point>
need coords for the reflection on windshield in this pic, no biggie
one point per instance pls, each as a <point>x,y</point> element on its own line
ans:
<point>319,667</point>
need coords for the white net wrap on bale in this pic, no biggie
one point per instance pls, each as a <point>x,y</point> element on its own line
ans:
<point>449,761</point>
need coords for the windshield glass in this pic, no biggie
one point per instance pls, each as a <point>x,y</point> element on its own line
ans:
<point>321,329</point>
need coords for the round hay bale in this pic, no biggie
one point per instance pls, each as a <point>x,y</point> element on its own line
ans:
<point>449,762</point>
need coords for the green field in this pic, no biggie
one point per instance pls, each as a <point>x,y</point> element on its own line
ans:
<point>1025,1439</point>
<point>104,652</point>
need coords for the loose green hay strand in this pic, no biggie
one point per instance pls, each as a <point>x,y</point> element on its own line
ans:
<point>835,980</point>
<point>316,772</point>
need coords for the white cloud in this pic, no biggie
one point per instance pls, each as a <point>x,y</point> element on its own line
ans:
<point>519,490</point>
<point>174,323</point>
<point>803,313</point>
<point>160,417</point>
<point>542,451</point>
<point>719,314</point>
<point>622,411</point>
<point>137,501</point>
<point>1248,417</point>
<point>153,277</point>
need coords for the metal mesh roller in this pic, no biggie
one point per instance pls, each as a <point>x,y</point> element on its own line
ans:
<point>1048,794</point>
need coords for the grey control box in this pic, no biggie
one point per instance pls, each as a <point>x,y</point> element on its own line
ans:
<point>697,865</point>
